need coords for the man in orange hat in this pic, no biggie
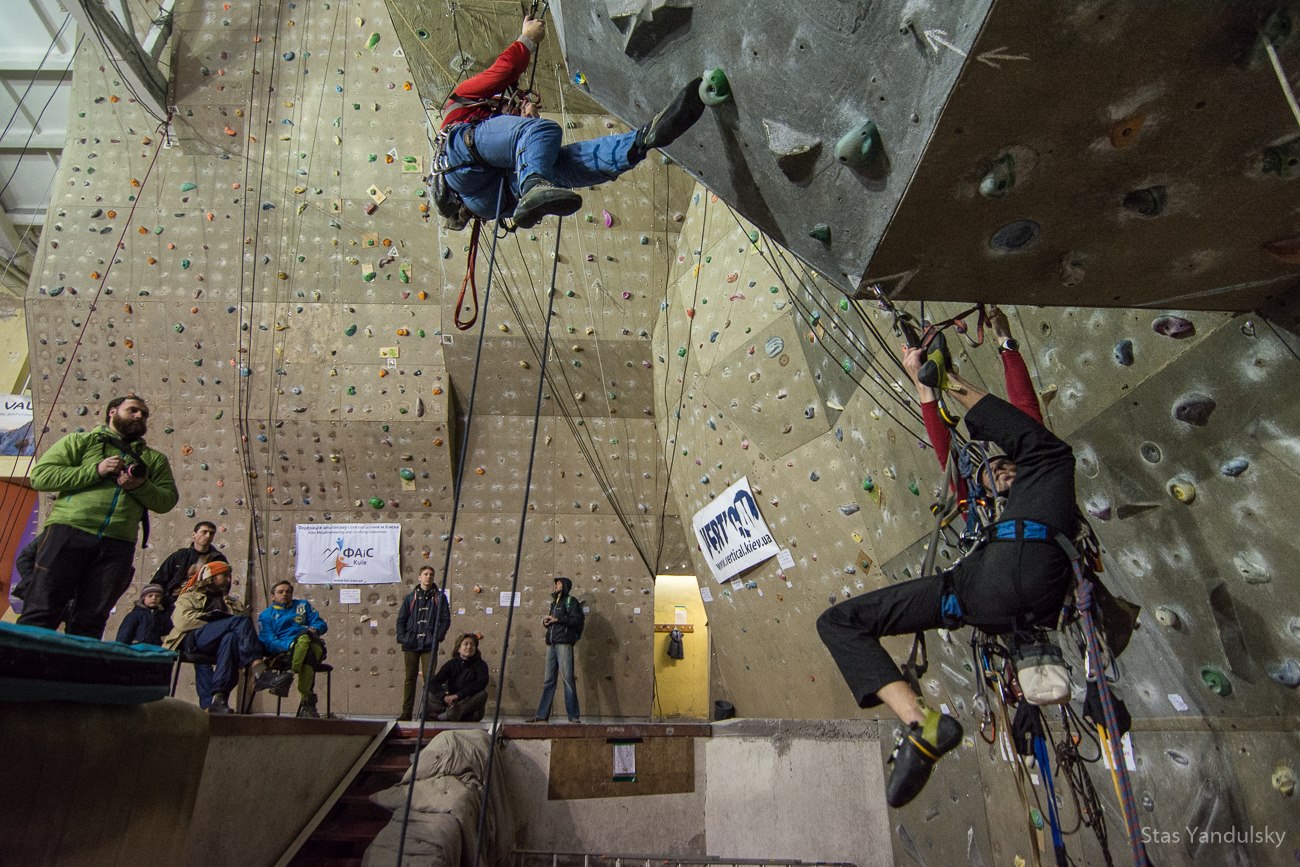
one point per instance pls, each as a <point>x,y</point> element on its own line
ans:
<point>211,622</point>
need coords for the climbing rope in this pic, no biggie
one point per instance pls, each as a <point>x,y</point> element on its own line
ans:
<point>451,540</point>
<point>519,544</point>
<point>1083,601</point>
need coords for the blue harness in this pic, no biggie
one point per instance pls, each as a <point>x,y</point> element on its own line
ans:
<point>951,614</point>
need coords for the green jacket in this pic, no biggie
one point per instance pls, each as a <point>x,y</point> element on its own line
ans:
<point>98,505</point>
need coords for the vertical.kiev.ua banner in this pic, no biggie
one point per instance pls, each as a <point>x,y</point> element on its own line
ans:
<point>732,534</point>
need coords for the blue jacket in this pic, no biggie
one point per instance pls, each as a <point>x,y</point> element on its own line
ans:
<point>278,627</point>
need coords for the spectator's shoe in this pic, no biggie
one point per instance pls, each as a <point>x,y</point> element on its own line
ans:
<point>219,704</point>
<point>542,198</point>
<point>669,124</point>
<point>573,720</point>
<point>274,682</point>
<point>914,757</point>
<point>536,719</point>
<point>307,707</point>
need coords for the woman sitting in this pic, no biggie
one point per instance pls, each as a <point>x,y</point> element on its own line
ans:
<point>458,693</point>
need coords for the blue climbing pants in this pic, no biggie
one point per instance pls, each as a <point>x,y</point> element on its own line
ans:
<point>514,148</point>
<point>559,665</point>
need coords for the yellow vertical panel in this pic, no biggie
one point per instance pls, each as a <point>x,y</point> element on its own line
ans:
<point>681,685</point>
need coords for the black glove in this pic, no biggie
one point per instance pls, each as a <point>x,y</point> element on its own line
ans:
<point>1094,714</point>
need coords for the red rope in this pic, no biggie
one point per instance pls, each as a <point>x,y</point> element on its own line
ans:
<point>469,281</point>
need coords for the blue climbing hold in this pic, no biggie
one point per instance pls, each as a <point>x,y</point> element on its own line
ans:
<point>1234,467</point>
<point>1124,352</point>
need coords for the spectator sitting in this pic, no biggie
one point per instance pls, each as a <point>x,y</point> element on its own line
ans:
<point>291,626</point>
<point>173,572</point>
<point>147,622</point>
<point>211,622</point>
<point>458,692</point>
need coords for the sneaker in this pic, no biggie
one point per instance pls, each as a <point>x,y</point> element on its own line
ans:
<point>536,719</point>
<point>914,757</point>
<point>669,124</point>
<point>219,704</point>
<point>573,720</point>
<point>307,707</point>
<point>274,682</point>
<point>542,198</point>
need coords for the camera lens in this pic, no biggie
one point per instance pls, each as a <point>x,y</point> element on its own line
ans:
<point>137,470</point>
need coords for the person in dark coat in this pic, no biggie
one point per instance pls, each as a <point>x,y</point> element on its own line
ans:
<point>458,692</point>
<point>422,624</point>
<point>564,622</point>
<point>173,572</point>
<point>148,621</point>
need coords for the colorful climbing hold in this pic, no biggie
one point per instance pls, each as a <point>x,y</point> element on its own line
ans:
<point>1194,409</point>
<point>715,89</point>
<point>1216,680</point>
<point>1124,352</point>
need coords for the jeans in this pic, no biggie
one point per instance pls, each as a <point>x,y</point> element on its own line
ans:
<point>77,578</point>
<point>233,641</point>
<point>559,661</point>
<point>517,147</point>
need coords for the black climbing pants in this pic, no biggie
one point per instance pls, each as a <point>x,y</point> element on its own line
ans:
<point>1001,585</point>
<point>73,566</point>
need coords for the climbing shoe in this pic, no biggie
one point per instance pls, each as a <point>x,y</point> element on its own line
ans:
<point>307,708</point>
<point>918,749</point>
<point>669,124</point>
<point>934,373</point>
<point>542,198</point>
<point>274,682</point>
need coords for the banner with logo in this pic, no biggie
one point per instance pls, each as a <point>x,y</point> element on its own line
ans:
<point>16,425</point>
<point>348,553</point>
<point>732,534</point>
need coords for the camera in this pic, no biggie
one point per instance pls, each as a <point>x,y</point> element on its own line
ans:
<point>137,470</point>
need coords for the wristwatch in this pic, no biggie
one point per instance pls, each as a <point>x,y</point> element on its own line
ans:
<point>1008,344</point>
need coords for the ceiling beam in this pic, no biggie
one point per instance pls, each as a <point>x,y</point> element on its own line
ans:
<point>136,66</point>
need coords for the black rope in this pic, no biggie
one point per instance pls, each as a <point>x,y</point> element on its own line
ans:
<point>519,546</point>
<point>451,535</point>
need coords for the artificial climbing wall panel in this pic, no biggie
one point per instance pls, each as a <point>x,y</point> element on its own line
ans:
<point>282,299</point>
<point>1059,159</point>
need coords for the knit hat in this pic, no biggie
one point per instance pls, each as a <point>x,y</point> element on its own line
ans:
<point>152,588</point>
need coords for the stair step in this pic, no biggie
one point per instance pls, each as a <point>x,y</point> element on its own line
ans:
<point>399,763</point>
<point>329,861</point>
<point>353,831</point>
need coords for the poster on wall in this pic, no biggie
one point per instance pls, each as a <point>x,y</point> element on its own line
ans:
<point>16,425</point>
<point>732,534</point>
<point>348,553</point>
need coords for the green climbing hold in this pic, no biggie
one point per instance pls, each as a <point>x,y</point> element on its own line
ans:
<point>858,145</point>
<point>352,389</point>
<point>372,41</point>
<point>376,502</point>
<point>681,352</point>
<point>821,232</point>
<point>350,330</point>
<point>715,89</point>
<point>911,486</point>
<point>187,186</point>
<point>753,236</point>
<point>844,304</point>
<point>773,289</point>
<point>372,157</point>
<point>219,414</point>
<point>1216,680</point>
<point>847,364</point>
<point>178,328</point>
<point>407,474</point>
<point>419,333</point>
<point>185,264</point>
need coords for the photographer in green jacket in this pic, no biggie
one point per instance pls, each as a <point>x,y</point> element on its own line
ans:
<point>107,481</point>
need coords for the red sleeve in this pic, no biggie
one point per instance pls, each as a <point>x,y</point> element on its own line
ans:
<point>940,438</point>
<point>1020,391</point>
<point>504,71</point>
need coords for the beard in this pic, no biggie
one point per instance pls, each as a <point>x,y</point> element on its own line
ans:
<point>130,428</point>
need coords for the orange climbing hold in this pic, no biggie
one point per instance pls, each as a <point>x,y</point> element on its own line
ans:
<point>437,441</point>
<point>230,132</point>
<point>437,389</point>
<point>142,230</point>
<point>403,332</point>
<point>422,295</point>
<point>129,343</point>
<point>151,260</point>
<point>112,215</point>
<point>383,372</point>
<point>186,451</point>
<point>114,99</point>
<point>135,183</point>
<point>94,275</point>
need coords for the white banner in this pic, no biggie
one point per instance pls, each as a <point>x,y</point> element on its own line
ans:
<point>16,425</point>
<point>732,534</point>
<point>348,553</point>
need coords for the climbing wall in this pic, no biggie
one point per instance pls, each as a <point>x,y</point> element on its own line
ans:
<point>283,300</point>
<point>1172,414</point>
<point>984,150</point>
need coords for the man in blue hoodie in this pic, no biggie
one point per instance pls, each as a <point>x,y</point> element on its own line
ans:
<point>292,626</point>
